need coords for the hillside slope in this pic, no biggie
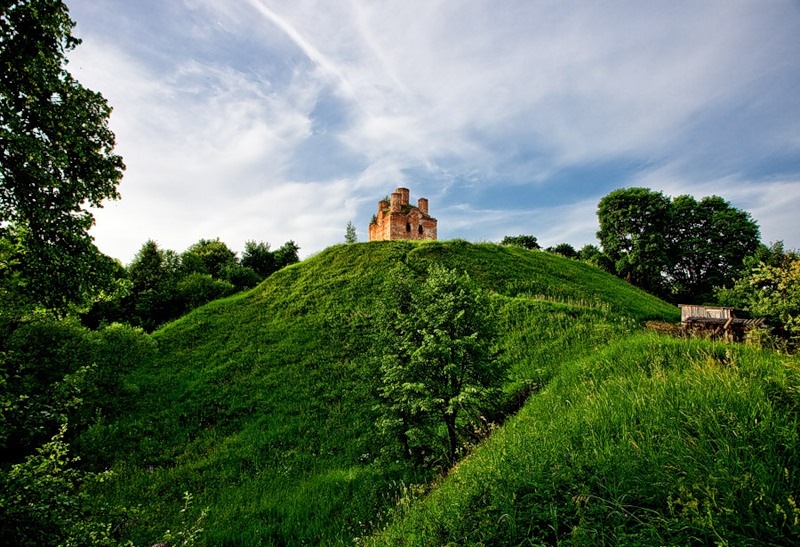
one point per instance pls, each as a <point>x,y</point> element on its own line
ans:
<point>261,405</point>
<point>650,441</point>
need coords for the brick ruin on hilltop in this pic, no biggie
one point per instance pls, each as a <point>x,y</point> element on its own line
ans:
<point>397,219</point>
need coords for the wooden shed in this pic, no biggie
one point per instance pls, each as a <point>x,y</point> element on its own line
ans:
<point>717,321</point>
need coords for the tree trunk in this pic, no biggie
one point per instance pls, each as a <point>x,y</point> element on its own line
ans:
<point>450,422</point>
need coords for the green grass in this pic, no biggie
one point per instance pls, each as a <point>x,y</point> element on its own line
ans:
<point>261,405</point>
<point>650,441</point>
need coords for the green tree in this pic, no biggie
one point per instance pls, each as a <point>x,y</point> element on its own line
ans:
<point>287,255</point>
<point>240,277</point>
<point>154,274</point>
<point>350,235</point>
<point>708,242</point>
<point>633,225</point>
<point>259,258</point>
<point>769,287</point>
<point>679,249</point>
<point>563,249</point>
<point>589,253</point>
<point>197,289</point>
<point>439,372</point>
<point>208,256</point>
<point>526,242</point>
<point>56,156</point>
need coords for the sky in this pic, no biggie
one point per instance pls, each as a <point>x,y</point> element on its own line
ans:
<point>277,120</point>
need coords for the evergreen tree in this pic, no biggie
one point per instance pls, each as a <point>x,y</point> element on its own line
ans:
<point>350,235</point>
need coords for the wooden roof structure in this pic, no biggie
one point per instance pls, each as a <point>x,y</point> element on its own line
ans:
<point>718,319</point>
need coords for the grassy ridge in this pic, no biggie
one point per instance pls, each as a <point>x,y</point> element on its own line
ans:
<point>513,271</point>
<point>651,441</point>
<point>261,405</point>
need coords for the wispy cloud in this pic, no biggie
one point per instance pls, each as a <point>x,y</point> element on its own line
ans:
<point>242,118</point>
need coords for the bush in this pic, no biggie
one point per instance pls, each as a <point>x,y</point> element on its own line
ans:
<point>197,289</point>
<point>56,371</point>
<point>40,365</point>
<point>241,277</point>
<point>42,501</point>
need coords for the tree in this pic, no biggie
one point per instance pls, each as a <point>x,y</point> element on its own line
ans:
<point>287,255</point>
<point>589,253</point>
<point>526,242</point>
<point>259,258</point>
<point>439,372</point>
<point>769,287</point>
<point>241,277</point>
<point>679,249</point>
<point>208,256</point>
<point>633,223</point>
<point>350,235</point>
<point>708,242</point>
<point>56,155</point>
<point>154,274</point>
<point>197,289</point>
<point>563,249</point>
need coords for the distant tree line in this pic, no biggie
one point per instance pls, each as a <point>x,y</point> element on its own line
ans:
<point>160,285</point>
<point>693,251</point>
<point>587,253</point>
<point>690,251</point>
<point>679,249</point>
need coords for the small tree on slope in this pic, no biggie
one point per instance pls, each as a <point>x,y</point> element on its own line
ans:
<point>439,371</point>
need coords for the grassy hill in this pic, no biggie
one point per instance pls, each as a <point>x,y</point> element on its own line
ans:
<point>262,407</point>
<point>650,441</point>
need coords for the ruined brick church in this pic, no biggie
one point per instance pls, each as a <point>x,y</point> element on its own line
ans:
<point>397,219</point>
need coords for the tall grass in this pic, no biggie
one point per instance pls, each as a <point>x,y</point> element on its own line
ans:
<point>650,441</point>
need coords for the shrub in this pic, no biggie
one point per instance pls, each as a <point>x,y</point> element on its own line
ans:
<point>197,289</point>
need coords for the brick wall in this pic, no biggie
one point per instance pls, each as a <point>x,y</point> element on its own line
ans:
<point>398,219</point>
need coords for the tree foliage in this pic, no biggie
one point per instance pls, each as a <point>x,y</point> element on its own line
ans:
<point>593,255</point>
<point>56,156</point>
<point>259,258</point>
<point>709,240</point>
<point>43,502</point>
<point>526,242</point>
<point>770,288</point>
<point>287,254</point>
<point>564,249</point>
<point>679,249</point>
<point>633,224</point>
<point>154,274</point>
<point>350,235</point>
<point>53,373</point>
<point>439,372</point>
<point>208,256</point>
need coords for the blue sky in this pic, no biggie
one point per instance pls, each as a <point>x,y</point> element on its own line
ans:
<point>272,120</point>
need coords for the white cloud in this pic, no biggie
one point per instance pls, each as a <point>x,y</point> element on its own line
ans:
<point>772,203</point>
<point>235,117</point>
<point>198,144</point>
